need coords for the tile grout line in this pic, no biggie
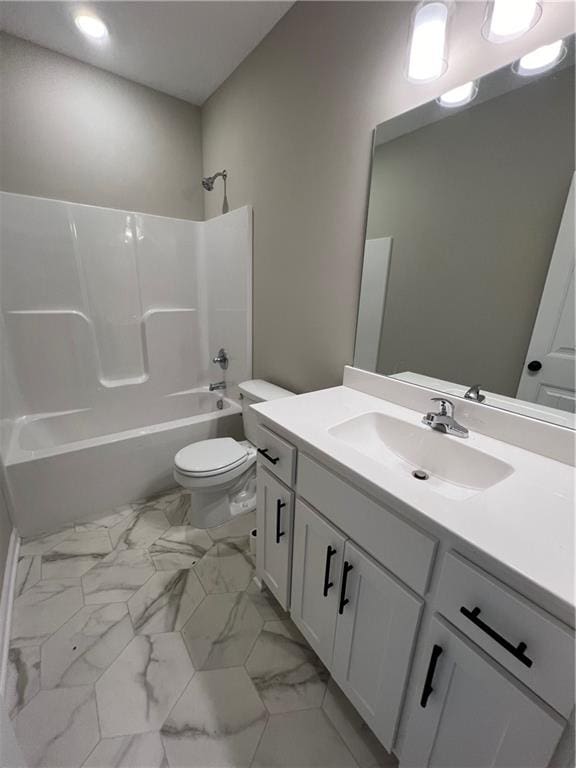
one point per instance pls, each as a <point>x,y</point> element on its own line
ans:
<point>268,716</point>
<point>339,736</point>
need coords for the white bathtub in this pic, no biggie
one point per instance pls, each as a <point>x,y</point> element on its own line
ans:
<point>76,465</point>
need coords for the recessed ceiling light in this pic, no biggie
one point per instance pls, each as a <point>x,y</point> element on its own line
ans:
<point>459,96</point>
<point>509,19</point>
<point>91,26</point>
<point>426,59</point>
<point>543,58</point>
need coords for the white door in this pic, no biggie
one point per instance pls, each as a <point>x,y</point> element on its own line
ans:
<point>470,714</point>
<point>375,634</point>
<point>316,567</point>
<point>548,374</point>
<point>274,513</point>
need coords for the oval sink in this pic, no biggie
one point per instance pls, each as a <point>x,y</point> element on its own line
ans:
<point>449,462</point>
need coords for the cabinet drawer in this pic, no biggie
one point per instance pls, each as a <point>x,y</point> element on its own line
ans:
<point>402,549</point>
<point>277,455</point>
<point>499,621</point>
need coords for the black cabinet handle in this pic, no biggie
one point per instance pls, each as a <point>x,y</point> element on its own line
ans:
<point>343,599</point>
<point>279,507</point>
<point>534,365</point>
<point>330,552</point>
<point>516,650</point>
<point>428,688</point>
<point>264,452</point>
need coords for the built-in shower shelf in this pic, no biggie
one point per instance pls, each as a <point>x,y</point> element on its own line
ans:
<point>126,382</point>
<point>47,313</point>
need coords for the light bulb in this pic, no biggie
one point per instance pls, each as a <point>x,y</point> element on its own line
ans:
<point>91,26</point>
<point>509,19</point>
<point>426,59</point>
<point>543,58</point>
<point>459,96</point>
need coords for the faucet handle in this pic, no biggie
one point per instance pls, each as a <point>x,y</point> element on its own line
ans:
<point>473,393</point>
<point>221,359</point>
<point>444,405</point>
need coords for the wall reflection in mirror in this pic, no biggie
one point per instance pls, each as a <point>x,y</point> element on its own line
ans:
<point>468,274</point>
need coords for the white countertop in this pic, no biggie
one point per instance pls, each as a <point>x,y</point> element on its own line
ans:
<point>525,522</point>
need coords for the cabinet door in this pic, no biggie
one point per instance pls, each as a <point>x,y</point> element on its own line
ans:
<point>316,567</point>
<point>375,633</point>
<point>469,712</point>
<point>275,512</point>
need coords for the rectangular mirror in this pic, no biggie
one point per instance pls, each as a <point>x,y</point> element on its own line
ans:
<point>468,275</point>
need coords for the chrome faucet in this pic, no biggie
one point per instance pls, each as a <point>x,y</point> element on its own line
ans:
<point>221,358</point>
<point>444,420</point>
<point>474,394</point>
<point>217,385</point>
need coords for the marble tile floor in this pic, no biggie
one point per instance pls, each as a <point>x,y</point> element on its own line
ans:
<point>141,642</point>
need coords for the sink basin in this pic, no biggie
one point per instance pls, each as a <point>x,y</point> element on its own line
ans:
<point>445,464</point>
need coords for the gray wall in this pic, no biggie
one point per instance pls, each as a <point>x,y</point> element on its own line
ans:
<point>71,131</point>
<point>293,127</point>
<point>473,203</point>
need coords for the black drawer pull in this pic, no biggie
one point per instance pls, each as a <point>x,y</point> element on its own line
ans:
<point>343,599</point>
<point>279,507</point>
<point>516,650</point>
<point>330,552</point>
<point>428,688</point>
<point>264,452</point>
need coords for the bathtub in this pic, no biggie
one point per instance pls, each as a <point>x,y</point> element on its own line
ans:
<point>75,465</point>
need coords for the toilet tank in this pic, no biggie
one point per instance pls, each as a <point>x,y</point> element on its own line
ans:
<point>257,391</point>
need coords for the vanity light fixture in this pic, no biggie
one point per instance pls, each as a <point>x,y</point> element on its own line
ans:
<point>542,59</point>
<point>91,26</point>
<point>459,96</point>
<point>509,19</point>
<point>427,54</point>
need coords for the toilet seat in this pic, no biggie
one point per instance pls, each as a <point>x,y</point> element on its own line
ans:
<point>208,458</point>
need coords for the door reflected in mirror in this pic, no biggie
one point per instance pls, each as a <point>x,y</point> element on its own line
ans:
<point>468,275</point>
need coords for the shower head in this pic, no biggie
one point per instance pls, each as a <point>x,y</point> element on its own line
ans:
<point>208,181</point>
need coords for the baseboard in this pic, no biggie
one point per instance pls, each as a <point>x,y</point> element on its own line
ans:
<point>6,601</point>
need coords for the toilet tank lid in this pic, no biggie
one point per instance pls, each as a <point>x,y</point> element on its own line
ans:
<point>261,391</point>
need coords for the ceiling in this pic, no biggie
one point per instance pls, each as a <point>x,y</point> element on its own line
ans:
<point>186,49</point>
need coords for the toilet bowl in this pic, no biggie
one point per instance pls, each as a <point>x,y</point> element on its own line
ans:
<point>221,473</point>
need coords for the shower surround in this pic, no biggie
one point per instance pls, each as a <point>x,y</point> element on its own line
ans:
<point>109,322</point>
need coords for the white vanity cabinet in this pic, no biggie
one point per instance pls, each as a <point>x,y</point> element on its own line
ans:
<point>470,711</point>
<point>448,665</point>
<point>359,619</point>
<point>274,515</point>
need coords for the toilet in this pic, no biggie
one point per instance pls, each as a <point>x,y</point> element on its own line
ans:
<point>221,473</point>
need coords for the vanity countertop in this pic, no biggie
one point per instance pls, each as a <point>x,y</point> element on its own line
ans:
<point>525,522</point>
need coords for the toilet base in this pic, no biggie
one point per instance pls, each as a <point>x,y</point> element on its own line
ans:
<point>212,507</point>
